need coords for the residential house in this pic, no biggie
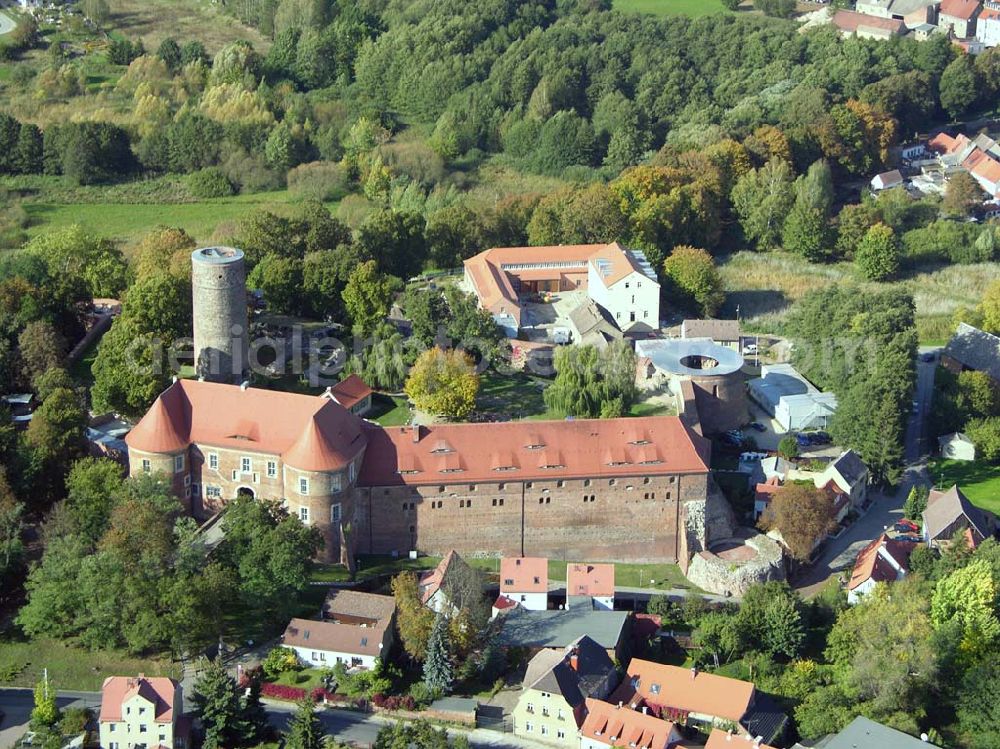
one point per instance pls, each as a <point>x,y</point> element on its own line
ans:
<point>592,325</point>
<point>885,180</point>
<point>557,689</point>
<point>724,332</point>
<point>327,643</point>
<point>353,394</point>
<point>142,712</point>
<point>863,732</point>
<point>433,585</point>
<point>686,695</point>
<point>618,726</point>
<point>534,630</point>
<point>766,491</point>
<point>591,585</point>
<point>525,580</point>
<point>913,151</point>
<point>848,473</point>
<point>358,608</point>
<point>763,494</point>
<point>988,26</point>
<point>959,16</point>
<point>852,23</point>
<point>956,446</point>
<point>883,560</point>
<point>21,406</point>
<point>619,279</point>
<point>719,739</point>
<point>794,402</point>
<point>951,511</point>
<point>910,12</point>
<point>985,169</point>
<point>972,349</point>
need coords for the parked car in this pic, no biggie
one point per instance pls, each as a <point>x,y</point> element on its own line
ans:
<point>750,348</point>
<point>804,440</point>
<point>910,538</point>
<point>757,426</point>
<point>928,357</point>
<point>820,438</point>
<point>906,526</point>
<point>733,437</point>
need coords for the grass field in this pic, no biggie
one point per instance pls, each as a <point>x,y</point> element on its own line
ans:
<point>184,20</point>
<point>389,411</point>
<point>979,482</point>
<point>71,667</point>
<point>764,285</point>
<point>691,8</point>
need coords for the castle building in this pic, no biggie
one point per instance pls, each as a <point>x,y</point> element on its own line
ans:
<point>631,489</point>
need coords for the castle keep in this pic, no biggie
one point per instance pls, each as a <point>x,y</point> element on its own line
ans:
<point>632,489</point>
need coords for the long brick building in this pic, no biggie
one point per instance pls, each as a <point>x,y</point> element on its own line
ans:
<point>632,489</point>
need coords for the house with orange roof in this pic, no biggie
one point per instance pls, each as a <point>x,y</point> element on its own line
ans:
<point>434,585</point>
<point>142,711</point>
<point>719,739</point>
<point>883,560</point>
<point>988,25</point>
<point>609,725</point>
<point>590,585</point>
<point>687,695</point>
<point>617,278</point>
<point>353,394</point>
<point>959,16</point>
<point>525,580</point>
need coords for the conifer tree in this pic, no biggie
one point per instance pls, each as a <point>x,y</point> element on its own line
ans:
<point>217,702</point>
<point>438,672</point>
<point>305,730</point>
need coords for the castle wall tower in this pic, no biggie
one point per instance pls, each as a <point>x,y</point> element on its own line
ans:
<point>221,336</point>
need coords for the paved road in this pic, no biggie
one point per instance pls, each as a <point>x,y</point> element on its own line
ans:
<point>346,725</point>
<point>886,509</point>
<point>7,24</point>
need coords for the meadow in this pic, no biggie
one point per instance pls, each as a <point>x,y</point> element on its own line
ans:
<point>980,482</point>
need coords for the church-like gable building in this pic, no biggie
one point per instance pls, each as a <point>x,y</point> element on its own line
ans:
<point>625,489</point>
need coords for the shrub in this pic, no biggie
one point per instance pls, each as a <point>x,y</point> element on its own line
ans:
<point>422,694</point>
<point>282,692</point>
<point>209,183</point>
<point>318,180</point>
<point>74,721</point>
<point>278,661</point>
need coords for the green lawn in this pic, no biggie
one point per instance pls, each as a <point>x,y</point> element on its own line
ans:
<point>516,396</point>
<point>307,678</point>
<point>664,576</point>
<point>979,482</point>
<point>70,667</point>
<point>670,7</point>
<point>389,410</point>
<point>82,367</point>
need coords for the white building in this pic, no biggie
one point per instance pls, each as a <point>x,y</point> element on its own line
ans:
<point>433,585</point>
<point>624,283</point>
<point>325,644</point>
<point>138,712</point>
<point>885,180</point>
<point>957,446</point>
<point>794,402</point>
<point>988,27</point>
<point>525,581</point>
<point>883,560</point>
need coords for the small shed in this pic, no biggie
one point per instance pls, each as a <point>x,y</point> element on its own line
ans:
<point>885,180</point>
<point>956,446</point>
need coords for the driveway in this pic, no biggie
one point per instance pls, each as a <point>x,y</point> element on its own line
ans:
<point>885,509</point>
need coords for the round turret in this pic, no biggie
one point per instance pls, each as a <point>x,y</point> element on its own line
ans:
<point>219,291</point>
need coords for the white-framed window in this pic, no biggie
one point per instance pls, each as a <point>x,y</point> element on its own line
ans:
<point>213,492</point>
<point>559,713</point>
<point>350,473</point>
<point>272,469</point>
<point>112,727</point>
<point>142,728</point>
<point>560,734</point>
<point>303,485</point>
<point>335,483</point>
<point>187,480</point>
<point>335,513</point>
<point>531,707</point>
<point>304,515</point>
<point>545,730</point>
<point>528,727</point>
<point>163,737</point>
<point>246,465</point>
<point>178,463</point>
<point>213,461</point>
<point>145,465</point>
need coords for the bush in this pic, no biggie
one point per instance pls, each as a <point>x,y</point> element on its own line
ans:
<point>278,661</point>
<point>788,447</point>
<point>210,183</point>
<point>421,694</point>
<point>74,721</point>
<point>318,180</point>
<point>282,692</point>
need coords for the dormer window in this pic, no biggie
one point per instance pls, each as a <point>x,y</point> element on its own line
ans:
<point>441,447</point>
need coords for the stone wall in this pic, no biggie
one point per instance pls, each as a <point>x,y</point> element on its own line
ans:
<point>727,577</point>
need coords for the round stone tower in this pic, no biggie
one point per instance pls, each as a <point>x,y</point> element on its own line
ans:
<point>219,290</point>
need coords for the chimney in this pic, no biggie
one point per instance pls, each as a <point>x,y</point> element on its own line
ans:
<point>694,672</point>
<point>416,433</point>
<point>645,710</point>
<point>620,703</point>
<point>245,384</point>
<point>574,660</point>
<point>758,740</point>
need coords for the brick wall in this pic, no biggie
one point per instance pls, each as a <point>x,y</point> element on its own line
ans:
<point>632,519</point>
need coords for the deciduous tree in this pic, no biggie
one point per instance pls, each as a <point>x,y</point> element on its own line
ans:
<point>802,514</point>
<point>877,256</point>
<point>415,621</point>
<point>443,383</point>
<point>693,273</point>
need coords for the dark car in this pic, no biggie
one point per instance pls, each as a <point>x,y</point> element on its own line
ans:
<point>757,426</point>
<point>911,538</point>
<point>906,526</point>
<point>820,438</point>
<point>731,439</point>
<point>929,357</point>
<point>804,440</point>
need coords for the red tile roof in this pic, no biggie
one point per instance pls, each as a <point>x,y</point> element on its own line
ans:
<point>618,263</point>
<point>526,450</point>
<point>524,575</point>
<point>335,637</point>
<point>431,582</point>
<point>720,739</point>
<point>503,602</point>
<point>350,391</point>
<point>309,432</point>
<point>684,689</point>
<point>158,690</point>
<point>964,9</point>
<point>623,727</point>
<point>871,565</point>
<point>594,580</point>
<point>850,21</point>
